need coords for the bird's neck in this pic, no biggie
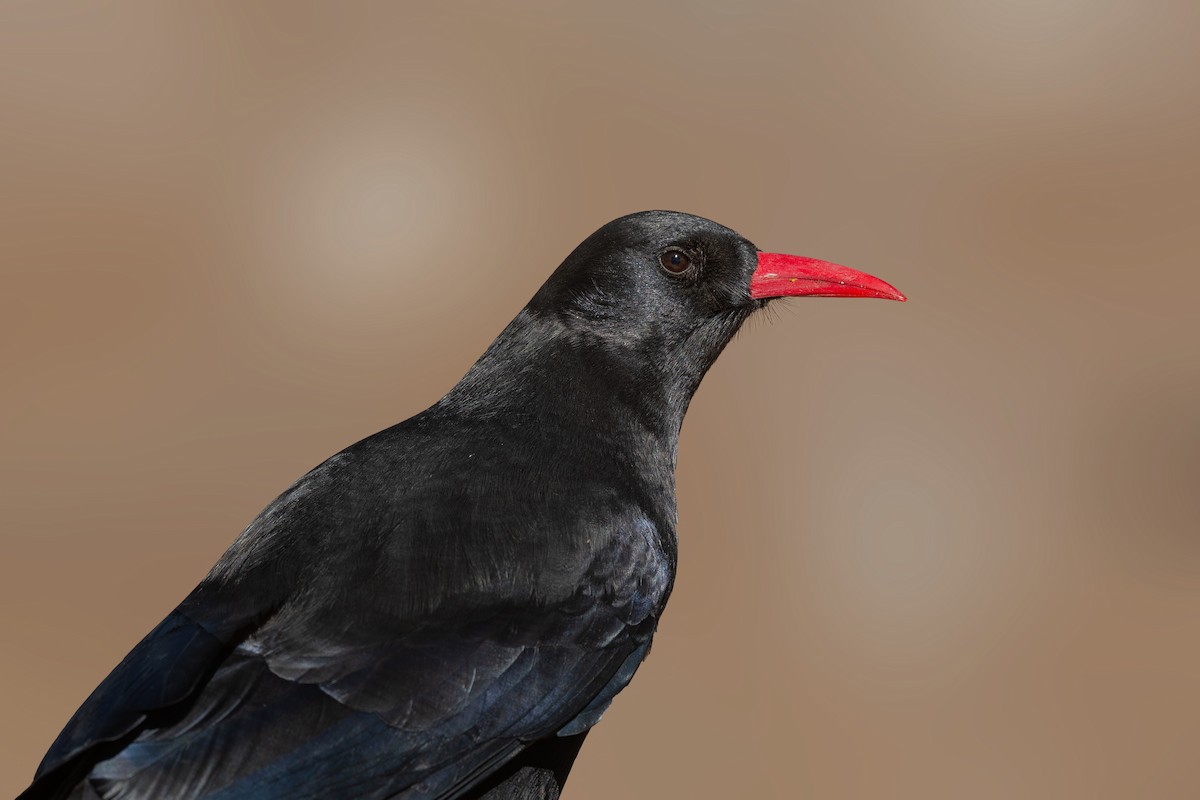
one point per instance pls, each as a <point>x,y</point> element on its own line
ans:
<point>582,382</point>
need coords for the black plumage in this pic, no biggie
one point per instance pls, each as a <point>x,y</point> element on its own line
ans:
<point>443,609</point>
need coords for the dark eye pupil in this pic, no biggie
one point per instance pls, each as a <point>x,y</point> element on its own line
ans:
<point>674,261</point>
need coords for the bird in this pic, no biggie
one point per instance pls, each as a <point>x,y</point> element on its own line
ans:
<point>445,608</point>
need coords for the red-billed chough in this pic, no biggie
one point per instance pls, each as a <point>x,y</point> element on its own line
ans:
<point>444,609</point>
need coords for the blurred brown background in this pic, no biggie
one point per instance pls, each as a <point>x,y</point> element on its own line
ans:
<point>945,549</point>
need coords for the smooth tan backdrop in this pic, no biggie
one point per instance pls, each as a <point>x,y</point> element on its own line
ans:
<point>947,549</point>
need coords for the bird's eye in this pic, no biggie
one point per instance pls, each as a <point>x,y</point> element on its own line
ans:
<point>674,261</point>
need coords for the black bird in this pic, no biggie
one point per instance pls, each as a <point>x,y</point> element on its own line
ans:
<point>444,609</point>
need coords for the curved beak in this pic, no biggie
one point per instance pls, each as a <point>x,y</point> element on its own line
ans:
<point>780,275</point>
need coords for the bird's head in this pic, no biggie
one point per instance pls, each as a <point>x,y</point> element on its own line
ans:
<point>644,306</point>
<point>663,279</point>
